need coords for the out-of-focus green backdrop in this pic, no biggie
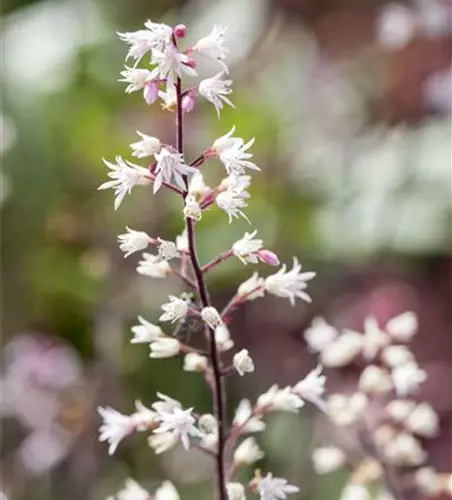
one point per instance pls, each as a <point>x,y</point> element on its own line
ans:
<point>350,105</point>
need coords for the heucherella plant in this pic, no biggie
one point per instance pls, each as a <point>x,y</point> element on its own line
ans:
<point>383,412</point>
<point>167,422</point>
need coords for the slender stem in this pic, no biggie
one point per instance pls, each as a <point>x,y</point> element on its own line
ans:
<point>184,278</point>
<point>218,382</point>
<point>213,263</point>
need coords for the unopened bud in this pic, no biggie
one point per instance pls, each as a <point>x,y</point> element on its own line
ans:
<point>268,257</point>
<point>180,30</point>
<point>190,62</point>
<point>188,102</point>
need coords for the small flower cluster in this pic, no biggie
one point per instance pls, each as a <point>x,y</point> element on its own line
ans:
<point>389,377</point>
<point>166,421</point>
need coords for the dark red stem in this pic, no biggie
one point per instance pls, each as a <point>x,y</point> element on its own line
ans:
<point>218,382</point>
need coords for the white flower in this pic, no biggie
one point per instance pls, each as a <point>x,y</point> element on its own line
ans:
<point>170,63</point>
<point>407,377</point>
<point>223,338</point>
<point>235,491</point>
<point>402,328</point>
<point>374,338</point>
<point>247,453</point>
<point>133,241</point>
<point>327,459</point>
<point>180,423</point>
<point>343,350</point>
<point>207,423</point>
<point>132,491</point>
<point>423,421</point>
<point>375,380</point>
<point>368,470</point>
<point>197,187</point>
<point>115,427</point>
<point>215,90</point>
<point>194,362</point>
<point>212,46</point>
<point>211,316</point>
<point>192,210</point>
<point>232,181</point>
<point>232,153</point>
<point>174,309</point>
<point>252,288</point>
<point>396,355</point>
<point>396,26</point>
<point>346,410</point>
<point>166,491</point>
<point>289,284</point>
<point>125,176</point>
<point>312,387</point>
<point>427,480</point>
<point>275,488</point>
<point>170,165</point>
<point>383,434</point>
<point>355,492</point>
<point>169,97</point>
<point>137,78</point>
<point>182,241</point>
<point>143,416</point>
<point>153,266</point>
<point>398,410</point>
<point>319,335</point>
<point>243,418</point>
<point>145,332</point>
<point>162,442</point>
<point>247,248</point>
<point>234,198</point>
<point>167,250</point>
<point>404,450</point>
<point>164,347</point>
<point>243,363</point>
<point>156,36</point>
<point>148,146</point>
<point>166,403</point>
<point>280,399</point>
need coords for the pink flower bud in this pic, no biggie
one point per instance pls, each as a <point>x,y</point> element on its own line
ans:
<point>150,92</point>
<point>190,62</point>
<point>188,102</point>
<point>179,30</point>
<point>268,257</point>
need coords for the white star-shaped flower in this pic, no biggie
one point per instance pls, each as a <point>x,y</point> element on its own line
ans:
<point>174,309</point>
<point>155,37</point>
<point>166,404</point>
<point>407,378</point>
<point>243,362</point>
<point>153,266</point>
<point>275,488</point>
<point>133,241</point>
<point>312,387</point>
<point>166,491</point>
<point>115,427</point>
<point>289,284</point>
<point>212,46</point>
<point>280,399</point>
<point>252,288</point>
<point>215,90</point>
<point>232,152</point>
<point>125,176</point>
<point>148,146</point>
<point>145,332</point>
<point>170,165</point>
<point>233,199</point>
<point>244,418</point>
<point>170,63</point>
<point>247,248</point>
<point>180,423</point>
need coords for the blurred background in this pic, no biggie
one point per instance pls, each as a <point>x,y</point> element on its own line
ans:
<point>350,104</point>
